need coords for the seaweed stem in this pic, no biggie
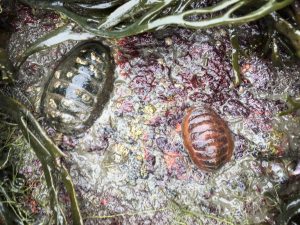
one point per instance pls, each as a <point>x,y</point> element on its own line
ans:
<point>275,53</point>
<point>288,30</point>
<point>296,8</point>
<point>127,214</point>
<point>49,155</point>
<point>147,21</point>
<point>54,38</point>
<point>235,58</point>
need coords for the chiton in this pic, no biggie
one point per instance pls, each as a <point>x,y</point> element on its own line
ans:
<point>207,138</point>
<point>79,88</point>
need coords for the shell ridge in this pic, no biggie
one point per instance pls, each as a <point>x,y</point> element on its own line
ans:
<point>87,89</point>
<point>207,138</point>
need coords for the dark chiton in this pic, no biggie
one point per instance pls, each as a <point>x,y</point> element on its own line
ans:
<point>79,88</point>
<point>207,138</point>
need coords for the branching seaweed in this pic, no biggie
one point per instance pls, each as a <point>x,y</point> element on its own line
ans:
<point>149,15</point>
<point>199,215</point>
<point>285,202</point>
<point>117,19</point>
<point>12,184</point>
<point>49,155</point>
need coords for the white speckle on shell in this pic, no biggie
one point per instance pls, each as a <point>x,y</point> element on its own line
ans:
<point>57,74</point>
<point>57,84</point>
<point>66,118</point>
<point>86,98</point>
<point>29,89</point>
<point>69,74</point>
<point>78,92</point>
<point>52,103</point>
<point>95,58</point>
<point>55,114</point>
<point>81,61</point>
<point>160,61</point>
<point>67,103</point>
<point>94,70</point>
<point>168,41</point>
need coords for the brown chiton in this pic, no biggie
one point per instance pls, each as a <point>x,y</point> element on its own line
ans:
<point>79,88</point>
<point>207,138</point>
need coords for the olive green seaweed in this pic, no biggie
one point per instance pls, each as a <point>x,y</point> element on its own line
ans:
<point>173,206</point>
<point>149,20</point>
<point>12,184</point>
<point>49,155</point>
<point>6,69</point>
<point>45,159</point>
<point>10,214</point>
<point>135,17</point>
<point>5,150</point>
<point>150,12</point>
<point>59,35</point>
<point>235,58</point>
<point>289,210</point>
<point>144,212</point>
<point>296,10</point>
<point>293,106</point>
<point>198,215</point>
<point>288,30</point>
<point>285,202</point>
<point>126,18</point>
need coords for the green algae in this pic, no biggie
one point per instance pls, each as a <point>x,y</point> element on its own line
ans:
<point>293,106</point>
<point>49,155</point>
<point>152,10</point>
<point>285,202</point>
<point>289,210</point>
<point>6,69</point>
<point>288,30</point>
<point>235,59</point>
<point>12,184</point>
<point>135,17</point>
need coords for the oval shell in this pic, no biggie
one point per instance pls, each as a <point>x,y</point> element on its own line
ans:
<point>207,138</point>
<point>79,88</point>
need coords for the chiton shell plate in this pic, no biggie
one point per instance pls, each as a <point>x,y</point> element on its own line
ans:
<point>207,138</point>
<point>79,88</point>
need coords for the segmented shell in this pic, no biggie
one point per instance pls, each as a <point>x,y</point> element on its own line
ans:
<point>207,138</point>
<point>79,88</point>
